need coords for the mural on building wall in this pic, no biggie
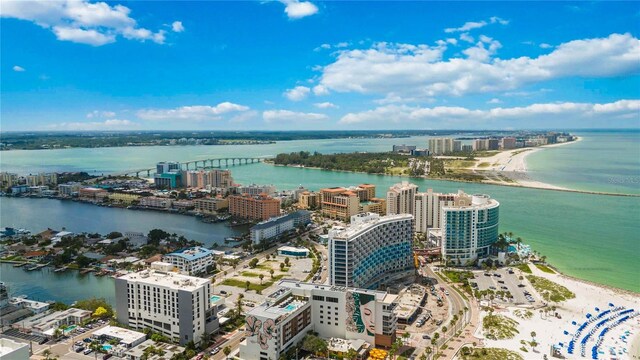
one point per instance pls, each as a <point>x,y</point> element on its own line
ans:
<point>361,313</point>
<point>264,331</point>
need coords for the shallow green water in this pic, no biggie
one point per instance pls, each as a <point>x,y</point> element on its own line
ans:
<point>594,237</point>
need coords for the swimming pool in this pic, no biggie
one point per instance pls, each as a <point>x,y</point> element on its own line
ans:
<point>214,298</point>
<point>106,347</point>
<point>70,329</point>
<point>290,307</point>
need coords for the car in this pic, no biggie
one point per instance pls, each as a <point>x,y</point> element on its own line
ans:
<point>492,287</point>
<point>487,274</point>
<point>497,275</point>
<point>78,348</point>
<point>446,292</point>
<point>223,292</point>
<point>521,285</point>
<point>215,350</point>
<point>500,281</point>
<point>107,356</point>
<point>87,340</point>
<point>504,288</point>
<point>87,351</point>
<point>426,337</point>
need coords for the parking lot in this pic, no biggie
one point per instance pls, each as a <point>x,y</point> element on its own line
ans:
<point>504,281</point>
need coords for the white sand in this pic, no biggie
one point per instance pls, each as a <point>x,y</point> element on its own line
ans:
<point>550,330</point>
<point>512,164</point>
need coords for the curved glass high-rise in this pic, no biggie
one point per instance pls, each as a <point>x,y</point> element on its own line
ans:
<point>469,230</point>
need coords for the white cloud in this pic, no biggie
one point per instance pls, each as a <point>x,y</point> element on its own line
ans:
<point>494,101</point>
<point>101,114</point>
<point>420,71</point>
<point>466,37</point>
<point>545,46</point>
<point>298,93</point>
<point>177,26</point>
<point>470,25</point>
<point>296,9</point>
<point>112,124</point>
<point>320,90</point>
<point>17,68</point>
<point>416,116</point>
<point>196,113</point>
<point>326,105</point>
<point>272,116</point>
<point>81,21</point>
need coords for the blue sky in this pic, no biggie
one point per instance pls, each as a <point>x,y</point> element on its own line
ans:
<point>288,65</point>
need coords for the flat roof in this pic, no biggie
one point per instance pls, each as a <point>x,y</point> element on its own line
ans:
<point>295,284</point>
<point>126,336</point>
<point>169,280</point>
<point>194,253</point>
<point>292,248</point>
<point>7,346</point>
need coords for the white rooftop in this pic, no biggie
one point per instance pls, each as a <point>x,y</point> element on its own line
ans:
<point>126,336</point>
<point>8,346</point>
<point>166,279</point>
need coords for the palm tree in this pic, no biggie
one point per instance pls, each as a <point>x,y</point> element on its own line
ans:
<point>47,354</point>
<point>405,337</point>
<point>271,272</point>
<point>226,351</point>
<point>247,284</point>
<point>261,276</point>
<point>428,350</point>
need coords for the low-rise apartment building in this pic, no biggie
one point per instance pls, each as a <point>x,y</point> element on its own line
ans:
<point>254,207</point>
<point>210,205</point>
<point>190,261</point>
<point>274,227</point>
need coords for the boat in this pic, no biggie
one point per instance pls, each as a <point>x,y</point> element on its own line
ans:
<point>85,271</point>
<point>61,269</point>
<point>19,264</point>
<point>30,267</point>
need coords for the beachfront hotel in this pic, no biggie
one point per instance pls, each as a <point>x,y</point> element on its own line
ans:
<point>178,306</point>
<point>373,251</point>
<point>297,308</point>
<point>428,207</point>
<point>469,229</point>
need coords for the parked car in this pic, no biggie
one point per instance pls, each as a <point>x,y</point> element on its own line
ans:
<point>107,356</point>
<point>500,281</point>
<point>426,337</point>
<point>215,350</point>
<point>87,351</point>
<point>521,285</point>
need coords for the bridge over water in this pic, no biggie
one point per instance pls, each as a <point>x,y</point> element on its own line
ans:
<point>200,164</point>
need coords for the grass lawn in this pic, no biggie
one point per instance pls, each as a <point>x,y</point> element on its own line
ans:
<point>523,314</point>
<point>460,164</point>
<point>490,354</point>
<point>498,327</point>
<point>249,274</point>
<point>457,276</point>
<point>524,268</point>
<point>483,165</point>
<point>549,290</point>
<point>545,268</point>
<point>252,286</point>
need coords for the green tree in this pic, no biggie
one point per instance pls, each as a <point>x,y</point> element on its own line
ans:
<point>271,272</point>
<point>226,351</point>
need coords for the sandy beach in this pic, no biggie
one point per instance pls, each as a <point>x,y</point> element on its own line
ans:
<point>512,164</point>
<point>621,342</point>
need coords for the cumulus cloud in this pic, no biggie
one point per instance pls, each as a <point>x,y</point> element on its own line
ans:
<point>421,71</point>
<point>81,21</point>
<point>471,25</point>
<point>296,9</point>
<point>273,116</point>
<point>415,116</point>
<point>177,26</point>
<point>298,93</point>
<point>494,101</point>
<point>197,112</point>
<point>18,68</point>
<point>111,124</point>
<point>326,105</point>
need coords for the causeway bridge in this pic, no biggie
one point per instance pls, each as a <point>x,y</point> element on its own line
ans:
<point>200,164</point>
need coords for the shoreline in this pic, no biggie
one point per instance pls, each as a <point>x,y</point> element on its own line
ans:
<point>485,182</point>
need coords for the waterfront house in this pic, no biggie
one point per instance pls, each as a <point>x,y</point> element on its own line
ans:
<point>35,255</point>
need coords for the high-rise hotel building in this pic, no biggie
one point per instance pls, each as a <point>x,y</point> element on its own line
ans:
<point>178,306</point>
<point>372,252</point>
<point>428,207</point>
<point>469,229</point>
<point>400,198</point>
